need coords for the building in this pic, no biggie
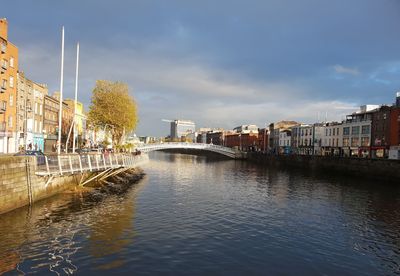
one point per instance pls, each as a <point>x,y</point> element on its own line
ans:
<point>380,132</point>
<point>241,141</point>
<point>80,120</point>
<point>50,123</point>
<point>181,128</point>
<point>332,139</point>
<point>262,141</point>
<point>39,92</point>
<point>8,91</point>
<point>25,101</point>
<point>246,129</point>
<point>357,133</point>
<point>215,137</point>
<point>285,141</point>
<point>305,139</point>
<point>275,134</point>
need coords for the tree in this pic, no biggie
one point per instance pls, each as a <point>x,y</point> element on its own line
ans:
<point>113,108</point>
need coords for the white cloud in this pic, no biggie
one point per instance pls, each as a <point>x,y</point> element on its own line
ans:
<point>346,70</point>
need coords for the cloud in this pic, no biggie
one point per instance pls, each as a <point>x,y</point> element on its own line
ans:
<point>346,70</point>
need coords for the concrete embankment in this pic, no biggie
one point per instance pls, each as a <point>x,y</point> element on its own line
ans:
<point>378,169</point>
<point>20,186</point>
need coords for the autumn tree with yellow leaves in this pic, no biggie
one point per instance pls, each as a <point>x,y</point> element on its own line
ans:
<point>113,107</point>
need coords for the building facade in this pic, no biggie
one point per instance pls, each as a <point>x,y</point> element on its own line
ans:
<point>357,134</point>
<point>8,91</point>
<point>332,139</point>
<point>181,128</point>
<point>50,123</point>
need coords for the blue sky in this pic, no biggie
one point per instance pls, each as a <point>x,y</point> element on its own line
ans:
<point>219,63</point>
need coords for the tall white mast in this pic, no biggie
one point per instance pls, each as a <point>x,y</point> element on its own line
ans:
<point>61,92</point>
<point>76,96</point>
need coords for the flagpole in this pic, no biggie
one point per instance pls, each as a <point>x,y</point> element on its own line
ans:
<point>61,92</point>
<point>76,96</point>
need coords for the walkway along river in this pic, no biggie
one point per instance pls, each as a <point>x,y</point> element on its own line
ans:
<point>195,215</point>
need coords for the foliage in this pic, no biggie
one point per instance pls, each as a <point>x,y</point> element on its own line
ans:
<point>113,108</point>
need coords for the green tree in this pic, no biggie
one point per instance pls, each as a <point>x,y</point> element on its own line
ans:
<point>114,108</point>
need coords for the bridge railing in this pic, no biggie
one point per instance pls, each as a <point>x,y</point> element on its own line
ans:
<point>79,163</point>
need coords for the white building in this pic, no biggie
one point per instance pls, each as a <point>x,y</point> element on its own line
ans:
<point>332,138</point>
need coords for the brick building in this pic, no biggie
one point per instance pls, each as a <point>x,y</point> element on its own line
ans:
<point>8,91</point>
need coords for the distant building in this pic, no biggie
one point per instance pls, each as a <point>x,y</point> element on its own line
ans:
<point>357,133</point>
<point>332,139</point>
<point>246,129</point>
<point>181,128</point>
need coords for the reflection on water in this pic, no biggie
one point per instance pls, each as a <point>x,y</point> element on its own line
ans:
<point>197,215</point>
<point>56,233</point>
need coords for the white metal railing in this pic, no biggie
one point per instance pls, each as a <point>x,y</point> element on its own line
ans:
<point>65,164</point>
<point>199,146</point>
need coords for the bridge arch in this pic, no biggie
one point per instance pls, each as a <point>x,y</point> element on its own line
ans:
<point>229,152</point>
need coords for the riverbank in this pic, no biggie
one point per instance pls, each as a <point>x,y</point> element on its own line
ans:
<point>20,186</point>
<point>378,169</point>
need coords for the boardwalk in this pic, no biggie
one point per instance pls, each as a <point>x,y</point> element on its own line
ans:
<point>66,164</point>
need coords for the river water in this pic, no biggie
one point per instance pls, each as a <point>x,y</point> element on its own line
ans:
<point>196,215</point>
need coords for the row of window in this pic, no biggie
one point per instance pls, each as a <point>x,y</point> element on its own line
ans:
<point>355,130</point>
<point>355,142</point>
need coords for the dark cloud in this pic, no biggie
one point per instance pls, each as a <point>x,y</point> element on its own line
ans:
<point>218,62</point>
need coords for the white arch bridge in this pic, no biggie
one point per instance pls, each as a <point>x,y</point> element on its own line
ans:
<point>229,152</point>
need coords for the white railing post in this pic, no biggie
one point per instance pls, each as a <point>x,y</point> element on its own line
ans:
<point>47,165</point>
<point>70,163</point>
<point>90,163</point>
<point>111,164</point>
<point>97,162</point>
<point>104,161</point>
<point>123,160</point>
<point>59,164</point>
<point>80,163</point>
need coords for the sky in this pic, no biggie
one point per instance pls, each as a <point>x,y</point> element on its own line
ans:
<point>219,63</point>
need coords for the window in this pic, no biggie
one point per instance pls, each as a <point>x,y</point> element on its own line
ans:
<point>11,81</point>
<point>36,108</point>
<point>346,142</point>
<point>355,130</point>
<point>4,84</point>
<point>330,132</point>
<point>365,141</point>
<point>334,132</point>
<point>12,62</point>
<point>11,100</point>
<point>346,130</point>
<point>41,109</point>
<point>365,129</point>
<point>10,121</point>
<point>355,141</point>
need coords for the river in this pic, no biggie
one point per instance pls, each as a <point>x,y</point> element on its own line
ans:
<point>196,215</point>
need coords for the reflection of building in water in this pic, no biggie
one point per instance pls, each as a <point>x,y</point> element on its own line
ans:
<point>111,227</point>
<point>52,231</point>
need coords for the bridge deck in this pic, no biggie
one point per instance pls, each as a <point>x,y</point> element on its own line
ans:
<point>65,164</point>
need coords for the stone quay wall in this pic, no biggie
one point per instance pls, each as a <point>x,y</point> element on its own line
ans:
<point>379,169</point>
<point>20,186</point>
